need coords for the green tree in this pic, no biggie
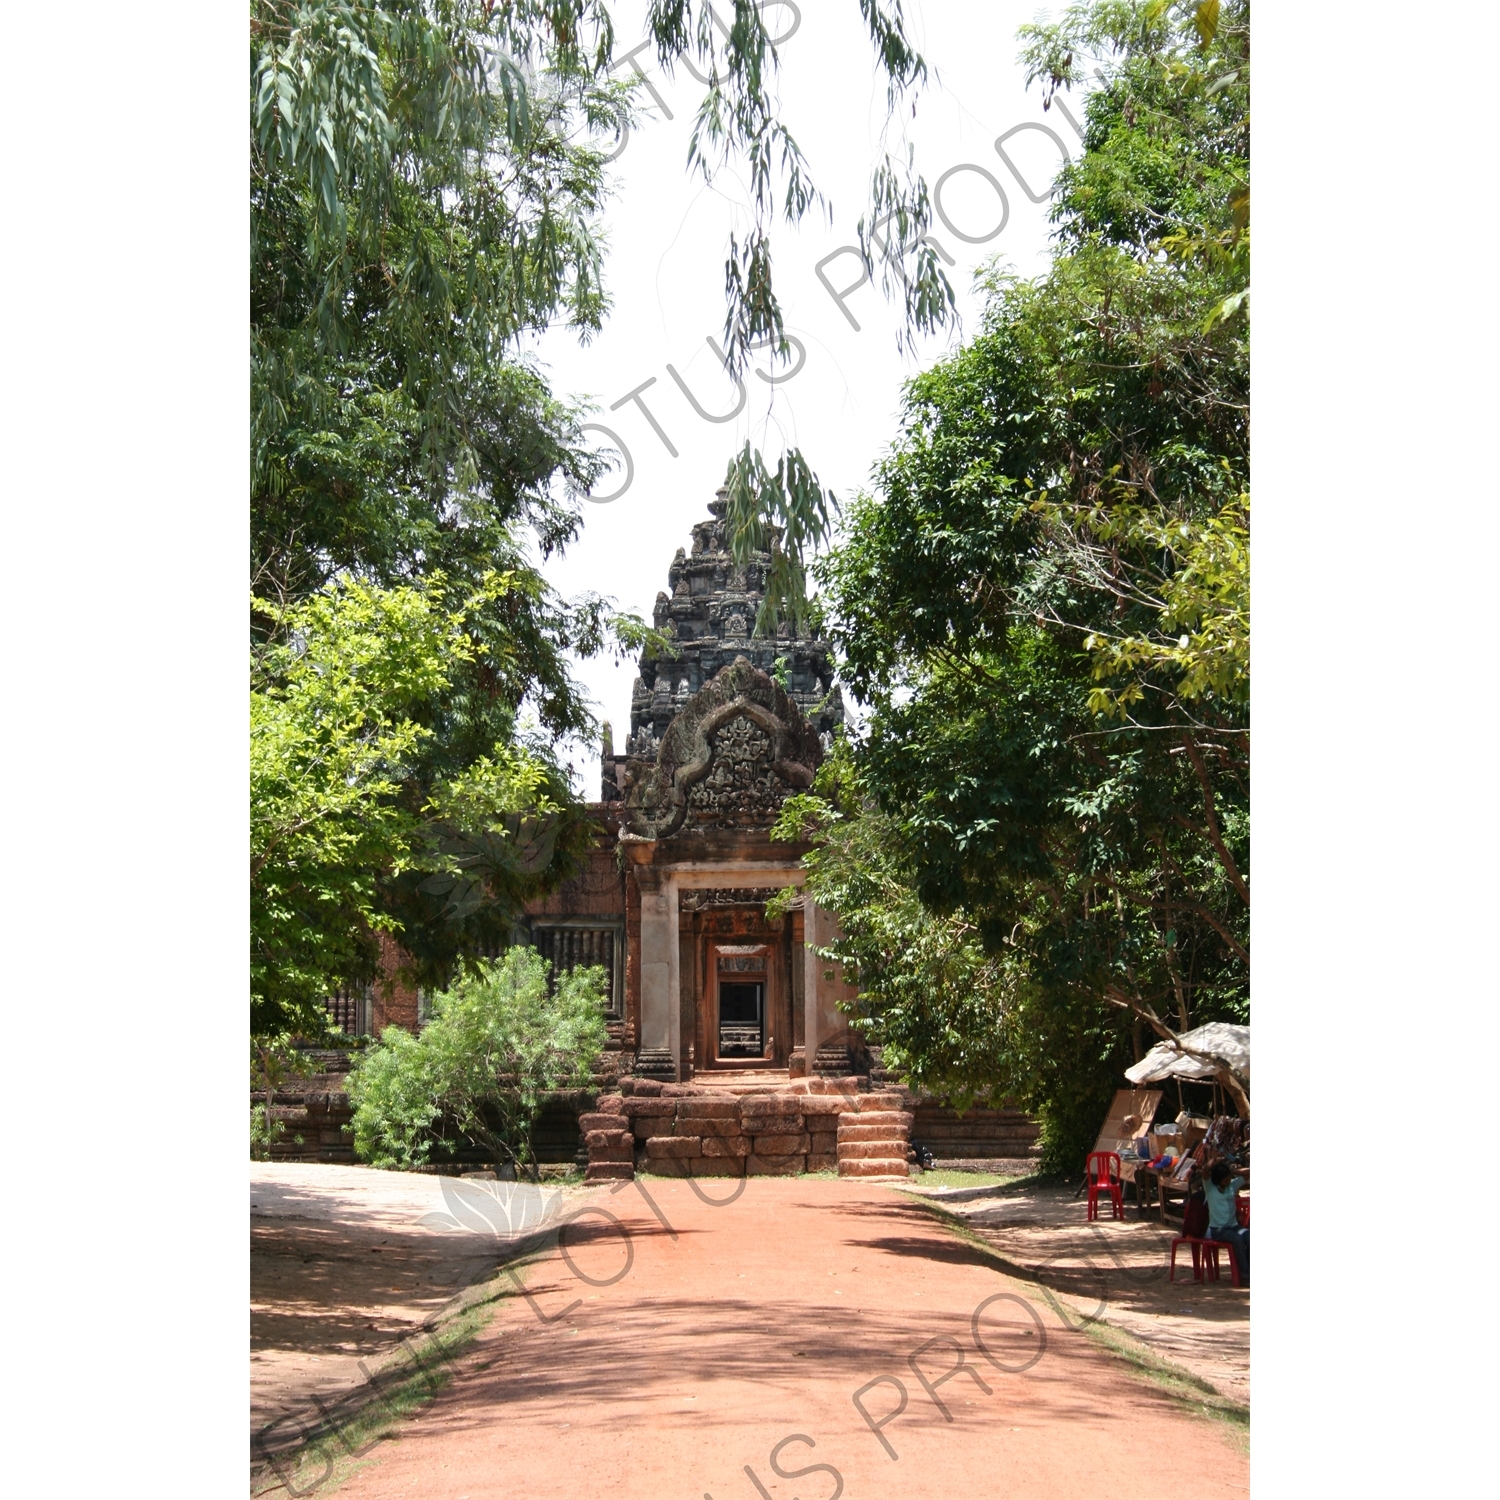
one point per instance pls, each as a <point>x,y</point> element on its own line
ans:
<point>500,1039</point>
<point>954,1017</point>
<point>417,204</point>
<point>1046,601</point>
<point>427,189</point>
<point>356,829</point>
<point>428,179</point>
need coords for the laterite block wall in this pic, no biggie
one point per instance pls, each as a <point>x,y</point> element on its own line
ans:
<point>677,1130</point>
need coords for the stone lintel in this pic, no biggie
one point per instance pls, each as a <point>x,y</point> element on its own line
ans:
<point>704,860</point>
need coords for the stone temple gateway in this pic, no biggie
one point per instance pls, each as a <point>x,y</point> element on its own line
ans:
<point>722,730</point>
<point>727,1042</point>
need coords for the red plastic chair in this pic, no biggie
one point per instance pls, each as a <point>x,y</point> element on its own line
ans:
<point>1194,1236</point>
<point>1211,1250</point>
<point>1195,1243</point>
<point>1105,1178</point>
<point>1205,1251</point>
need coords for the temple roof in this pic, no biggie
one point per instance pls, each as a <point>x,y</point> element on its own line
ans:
<point>792,699</point>
<point>710,614</point>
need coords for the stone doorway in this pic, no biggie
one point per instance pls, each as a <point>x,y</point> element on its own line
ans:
<point>744,1006</point>
<point>739,1003</point>
<point>742,1018</point>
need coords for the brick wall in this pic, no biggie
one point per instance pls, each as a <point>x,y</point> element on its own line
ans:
<point>393,1001</point>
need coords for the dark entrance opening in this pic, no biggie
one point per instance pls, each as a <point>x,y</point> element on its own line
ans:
<point>742,1019</point>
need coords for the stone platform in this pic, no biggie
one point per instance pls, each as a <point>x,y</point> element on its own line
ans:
<point>755,1125</point>
<point>748,1081</point>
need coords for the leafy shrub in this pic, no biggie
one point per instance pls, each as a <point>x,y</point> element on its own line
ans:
<point>499,1040</point>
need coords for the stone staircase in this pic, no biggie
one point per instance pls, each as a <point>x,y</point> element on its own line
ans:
<point>978,1134</point>
<point>313,1111</point>
<point>833,1062</point>
<point>874,1136</point>
<point>655,1062</point>
<point>751,1125</point>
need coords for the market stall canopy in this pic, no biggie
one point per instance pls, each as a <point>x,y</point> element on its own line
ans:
<point>1230,1044</point>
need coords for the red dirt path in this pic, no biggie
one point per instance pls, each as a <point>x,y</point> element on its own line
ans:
<point>760,1320</point>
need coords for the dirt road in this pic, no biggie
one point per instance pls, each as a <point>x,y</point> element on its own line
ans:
<point>691,1350</point>
<point>342,1270</point>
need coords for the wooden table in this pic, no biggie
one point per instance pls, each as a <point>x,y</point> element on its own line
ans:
<point>1157,1183</point>
<point>1133,1169</point>
<point>1185,1189</point>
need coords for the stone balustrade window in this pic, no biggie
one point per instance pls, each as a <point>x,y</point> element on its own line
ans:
<point>574,944</point>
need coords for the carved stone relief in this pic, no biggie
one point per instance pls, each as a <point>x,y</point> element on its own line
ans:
<point>728,896</point>
<point>729,758</point>
<point>740,786</point>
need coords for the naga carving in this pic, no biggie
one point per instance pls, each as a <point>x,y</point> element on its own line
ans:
<point>734,753</point>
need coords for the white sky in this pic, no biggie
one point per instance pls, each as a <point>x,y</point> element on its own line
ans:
<point>668,233</point>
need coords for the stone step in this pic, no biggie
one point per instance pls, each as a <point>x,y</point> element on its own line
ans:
<point>859,1126</point>
<point>975,1124</point>
<point>888,1099</point>
<point>880,1150</point>
<point>884,1146</point>
<point>773,1106</point>
<point>609,1171</point>
<point>743,1080</point>
<point>873,1167</point>
<point>846,1087</point>
<point>988,1133</point>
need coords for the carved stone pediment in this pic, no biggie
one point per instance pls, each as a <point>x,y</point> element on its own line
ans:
<point>733,754</point>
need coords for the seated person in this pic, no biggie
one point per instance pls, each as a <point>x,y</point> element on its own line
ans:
<point>1223,1225</point>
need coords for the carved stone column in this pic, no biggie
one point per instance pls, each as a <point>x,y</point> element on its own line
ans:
<point>674,976</point>
<point>812,979</point>
<point>825,1025</point>
<point>656,1054</point>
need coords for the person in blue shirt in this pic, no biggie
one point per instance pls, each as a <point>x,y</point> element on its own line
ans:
<point>1223,1225</point>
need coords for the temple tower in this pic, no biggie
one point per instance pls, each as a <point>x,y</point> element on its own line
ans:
<point>722,730</point>
<point>709,616</point>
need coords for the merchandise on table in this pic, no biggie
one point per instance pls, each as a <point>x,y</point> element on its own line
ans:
<point>1229,1136</point>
